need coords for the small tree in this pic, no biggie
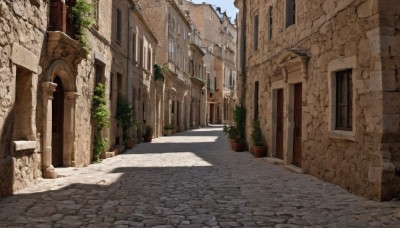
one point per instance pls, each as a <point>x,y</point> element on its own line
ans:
<point>125,115</point>
<point>101,117</point>
<point>256,135</point>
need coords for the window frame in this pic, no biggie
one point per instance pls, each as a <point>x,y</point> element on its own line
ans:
<point>344,100</point>
<point>334,66</point>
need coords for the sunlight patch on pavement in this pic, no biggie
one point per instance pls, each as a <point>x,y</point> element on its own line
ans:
<point>176,159</point>
<point>187,139</point>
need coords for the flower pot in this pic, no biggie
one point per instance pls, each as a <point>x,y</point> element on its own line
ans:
<point>130,143</point>
<point>259,151</point>
<point>148,138</point>
<point>168,132</point>
<point>238,147</point>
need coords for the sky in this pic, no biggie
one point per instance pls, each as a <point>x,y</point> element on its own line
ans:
<point>227,5</point>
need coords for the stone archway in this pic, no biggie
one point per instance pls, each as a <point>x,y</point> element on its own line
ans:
<point>66,76</point>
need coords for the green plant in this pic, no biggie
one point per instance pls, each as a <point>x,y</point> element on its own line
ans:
<point>101,117</point>
<point>256,134</point>
<point>125,115</point>
<point>83,19</point>
<point>169,127</point>
<point>231,131</point>
<point>239,116</point>
<point>158,73</point>
<point>148,131</point>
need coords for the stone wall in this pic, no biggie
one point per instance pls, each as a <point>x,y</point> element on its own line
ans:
<point>21,41</point>
<point>334,35</point>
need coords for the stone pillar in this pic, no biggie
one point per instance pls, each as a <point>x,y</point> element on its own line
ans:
<point>48,170</point>
<point>69,129</point>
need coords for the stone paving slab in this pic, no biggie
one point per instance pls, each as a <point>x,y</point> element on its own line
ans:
<point>191,179</point>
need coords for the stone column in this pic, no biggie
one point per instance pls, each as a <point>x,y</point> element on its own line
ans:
<point>69,129</point>
<point>48,170</point>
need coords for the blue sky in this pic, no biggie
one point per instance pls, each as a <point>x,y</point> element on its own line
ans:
<point>227,5</point>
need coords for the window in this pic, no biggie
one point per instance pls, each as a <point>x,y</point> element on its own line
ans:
<point>96,13</point>
<point>344,100</point>
<point>119,82</point>
<point>141,54</point>
<point>171,49</point>
<point>149,59</point>
<point>99,72</point>
<point>290,12</point>
<point>118,28</point>
<point>270,23</point>
<point>134,49</point>
<point>256,100</point>
<point>111,86</point>
<point>23,107</point>
<point>255,42</point>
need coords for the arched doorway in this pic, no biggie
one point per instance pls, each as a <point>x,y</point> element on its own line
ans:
<point>58,123</point>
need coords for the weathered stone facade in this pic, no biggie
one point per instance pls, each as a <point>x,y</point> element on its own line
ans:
<point>298,65</point>
<point>172,28</point>
<point>219,37</point>
<point>48,79</point>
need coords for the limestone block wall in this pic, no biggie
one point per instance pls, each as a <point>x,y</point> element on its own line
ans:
<point>21,42</point>
<point>389,36</point>
<point>335,35</point>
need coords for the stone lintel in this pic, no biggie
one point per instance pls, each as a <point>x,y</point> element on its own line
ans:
<point>24,58</point>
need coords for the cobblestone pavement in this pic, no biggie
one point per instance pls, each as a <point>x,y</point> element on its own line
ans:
<point>191,179</point>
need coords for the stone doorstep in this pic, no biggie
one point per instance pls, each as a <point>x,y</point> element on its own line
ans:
<point>274,161</point>
<point>294,169</point>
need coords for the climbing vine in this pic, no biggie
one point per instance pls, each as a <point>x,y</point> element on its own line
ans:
<point>100,115</point>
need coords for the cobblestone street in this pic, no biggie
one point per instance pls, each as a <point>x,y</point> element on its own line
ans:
<point>191,179</point>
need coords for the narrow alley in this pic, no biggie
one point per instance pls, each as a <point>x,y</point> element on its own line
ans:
<point>191,179</point>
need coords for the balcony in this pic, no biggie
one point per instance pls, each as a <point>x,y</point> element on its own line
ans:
<point>62,34</point>
<point>61,17</point>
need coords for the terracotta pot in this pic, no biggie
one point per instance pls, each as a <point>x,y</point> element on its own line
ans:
<point>259,151</point>
<point>130,143</point>
<point>232,141</point>
<point>148,138</point>
<point>239,147</point>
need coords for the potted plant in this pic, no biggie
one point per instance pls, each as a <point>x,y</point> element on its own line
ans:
<point>125,119</point>
<point>258,150</point>
<point>239,117</point>
<point>168,129</point>
<point>231,132</point>
<point>148,134</point>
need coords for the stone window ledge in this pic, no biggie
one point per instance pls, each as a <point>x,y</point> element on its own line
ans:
<point>24,145</point>
<point>346,135</point>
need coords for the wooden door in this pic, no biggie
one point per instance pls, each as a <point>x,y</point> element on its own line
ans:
<point>58,124</point>
<point>297,146</point>
<point>279,124</point>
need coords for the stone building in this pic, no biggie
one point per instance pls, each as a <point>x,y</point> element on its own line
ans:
<point>172,29</point>
<point>197,69</point>
<point>48,78</point>
<point>322,77</point>
<point>219,37</point>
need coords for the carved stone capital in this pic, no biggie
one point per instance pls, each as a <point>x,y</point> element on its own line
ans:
<point>71,95</point>
<point>48,89</point>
